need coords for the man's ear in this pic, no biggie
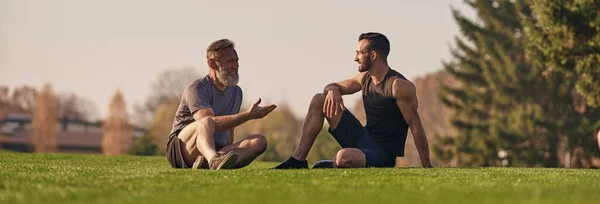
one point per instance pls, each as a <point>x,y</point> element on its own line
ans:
<point>212,64</point>
<point>374,55</point>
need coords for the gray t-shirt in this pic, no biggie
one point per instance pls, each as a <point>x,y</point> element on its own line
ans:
<point>200,94</point>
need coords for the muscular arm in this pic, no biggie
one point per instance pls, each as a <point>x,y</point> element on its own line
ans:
<point>346,87</point>
<point>405,94</point>
<point>333,94</point>
<point>222,123</point>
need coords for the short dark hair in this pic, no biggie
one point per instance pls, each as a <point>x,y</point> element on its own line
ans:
<point>377,42</point>
<point>215,47</point>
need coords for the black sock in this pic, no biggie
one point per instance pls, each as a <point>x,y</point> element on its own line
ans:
<point>295,161</point>
<point>292,163</point>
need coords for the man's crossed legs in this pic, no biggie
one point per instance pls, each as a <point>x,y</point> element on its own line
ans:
<point>194,147</point>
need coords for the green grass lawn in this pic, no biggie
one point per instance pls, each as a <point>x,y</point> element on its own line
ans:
<point>60,178</point>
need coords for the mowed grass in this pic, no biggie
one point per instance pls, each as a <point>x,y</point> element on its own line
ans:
<point>62,178</point>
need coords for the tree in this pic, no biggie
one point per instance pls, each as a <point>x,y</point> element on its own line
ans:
<point>281,129</point>
<point>75,107</point>
<point>117,132</point>
<point>167,87</point>
<point>20,101</point>
<point>70,105</point>
<point>3,105</point>
<point>162,124</point>
<point>144,146</point>
<point>44,120</point>
<point>23,99</point>
<point>503,102</point>
<point>4,101</point>
<point>564,36</point>
<point>434,115</point>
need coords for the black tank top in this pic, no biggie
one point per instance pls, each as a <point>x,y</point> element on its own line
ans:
<point>385,122</point>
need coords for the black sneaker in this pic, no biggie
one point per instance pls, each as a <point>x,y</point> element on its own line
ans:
<point>323,164</point>
<point>223,160</point>
<point>292,163</point>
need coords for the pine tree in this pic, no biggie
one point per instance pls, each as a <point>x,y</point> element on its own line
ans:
<point>565,37</point>
<point>117,132</point>
<point>503,102</point>
<point>477,98</point>
<point>44,120</point>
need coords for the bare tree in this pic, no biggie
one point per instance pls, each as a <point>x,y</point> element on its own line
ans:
<point>168,86</point>
<point>3,106</point>
<point>44,120</point>
<point>23,99</point>
<point>4,99</point>
<point>75,107</point>
<point>117,132</point>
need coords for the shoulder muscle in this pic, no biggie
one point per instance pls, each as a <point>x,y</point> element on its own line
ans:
<point>403,90</point>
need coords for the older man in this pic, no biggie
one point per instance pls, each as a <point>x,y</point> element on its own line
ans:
<point>202,134</point>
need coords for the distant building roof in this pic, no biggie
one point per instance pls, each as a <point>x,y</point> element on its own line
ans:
<point>26,119</point>
<point>71,134</point>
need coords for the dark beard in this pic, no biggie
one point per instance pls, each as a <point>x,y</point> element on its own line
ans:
<point>366,65</point>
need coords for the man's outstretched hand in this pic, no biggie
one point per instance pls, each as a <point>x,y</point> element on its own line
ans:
<point>256,112</point>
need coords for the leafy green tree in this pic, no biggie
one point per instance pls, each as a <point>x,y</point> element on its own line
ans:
<point>144,146</point>
<point>503,102</point>
<point>564,36</point>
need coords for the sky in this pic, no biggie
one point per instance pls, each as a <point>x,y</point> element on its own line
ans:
<point>289,50</point>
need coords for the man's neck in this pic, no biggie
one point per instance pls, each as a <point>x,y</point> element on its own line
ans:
<point>378,72</point>
<point>215,80</point>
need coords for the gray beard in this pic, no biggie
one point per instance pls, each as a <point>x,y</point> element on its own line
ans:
<point>228,78</point>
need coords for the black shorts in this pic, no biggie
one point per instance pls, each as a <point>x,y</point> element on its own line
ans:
<point>350,133</point>
<point>174,152</point>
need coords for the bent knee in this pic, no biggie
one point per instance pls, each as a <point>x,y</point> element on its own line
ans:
<point>317,101</point>
<point>348,158</point>
<point>258,142</point>
<point>206,121</point>
<point>190,132</point>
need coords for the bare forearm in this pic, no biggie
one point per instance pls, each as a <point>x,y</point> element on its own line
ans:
<point>330,87</point>
<point>421,143</point>
<point>228,122</point>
